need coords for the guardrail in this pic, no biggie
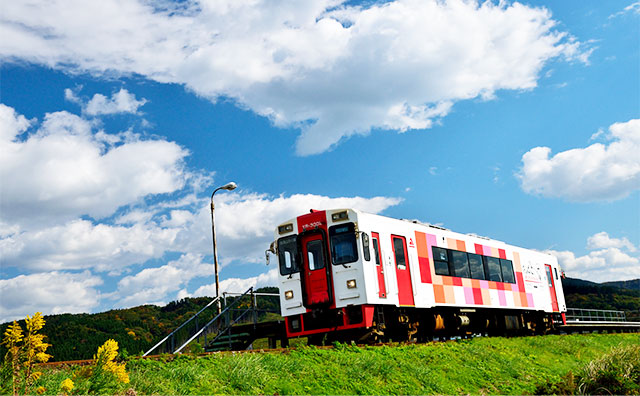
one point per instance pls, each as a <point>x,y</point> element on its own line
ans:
<point>594,315</point>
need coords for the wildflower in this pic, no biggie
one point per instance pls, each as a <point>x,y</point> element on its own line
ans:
<point>66,386</point>
<point>40,390</point>
<point>13,335</point>
<point>108,351</point>
<point>118,370</point>
<point>35,349</point>
<point>36,323</point>
<point>104,358</point>
<point>25,350</point>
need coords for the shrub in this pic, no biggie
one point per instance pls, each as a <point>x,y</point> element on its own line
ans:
<point>615,373</point>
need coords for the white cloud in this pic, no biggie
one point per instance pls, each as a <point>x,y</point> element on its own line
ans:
<point>120,102</point>
<point>65,170</point>
<point>81,244</point>
<point>606,262</point>
<point>12,124</point>
<point>156,285</point>
<point>239,285</point>
<point>598,172</point>
<point>602,240</point>
<point>330,69</point>
<point>633,8</point>
<point>49,293</point>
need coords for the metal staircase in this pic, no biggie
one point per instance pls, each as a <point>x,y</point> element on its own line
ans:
<point>234,328</point>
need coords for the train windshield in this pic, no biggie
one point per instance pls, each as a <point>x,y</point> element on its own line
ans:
<point>287,255</point>
<point>343,244</point>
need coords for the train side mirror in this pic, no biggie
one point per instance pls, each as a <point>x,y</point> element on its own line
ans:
<point>272,249</point>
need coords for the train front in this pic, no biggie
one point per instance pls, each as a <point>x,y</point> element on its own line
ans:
<point>320,258</point>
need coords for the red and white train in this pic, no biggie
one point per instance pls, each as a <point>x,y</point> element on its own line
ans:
<point>349,275</point>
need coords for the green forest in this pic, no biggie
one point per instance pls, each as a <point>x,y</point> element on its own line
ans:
<point>77,336</point>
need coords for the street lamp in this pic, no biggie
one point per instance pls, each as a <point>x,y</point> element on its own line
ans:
<point>229,187</point>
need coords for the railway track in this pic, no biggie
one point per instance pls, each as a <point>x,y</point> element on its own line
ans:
<point>569,328</point>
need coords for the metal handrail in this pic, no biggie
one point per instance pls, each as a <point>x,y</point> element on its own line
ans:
<point>224,311</point>
<point>182,325</point>
<point>595,315</point>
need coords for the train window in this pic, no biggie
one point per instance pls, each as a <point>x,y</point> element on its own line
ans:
<point>507,271</point>
<point>398,250</point>
<point>460,264</point>
<point>365,247</point>
<point>441,261</point>
<point>475,262</point>
<point>555,271</point>
<point>315,254</point>
<point>549,276</point>
<point>375,250</point>
<point>492,268</point>
<point>287,253</point>
<point>343,244</point>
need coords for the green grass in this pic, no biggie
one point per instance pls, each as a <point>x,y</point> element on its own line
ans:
<point>477,366</point>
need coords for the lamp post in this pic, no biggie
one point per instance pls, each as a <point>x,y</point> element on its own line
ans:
<point>229,187</point>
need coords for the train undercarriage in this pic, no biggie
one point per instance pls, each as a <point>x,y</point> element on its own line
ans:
<point>375,324</point>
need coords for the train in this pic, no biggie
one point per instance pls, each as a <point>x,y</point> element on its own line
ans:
<point>347,275</point>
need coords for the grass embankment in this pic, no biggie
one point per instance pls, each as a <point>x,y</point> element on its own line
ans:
<point>477,366</point>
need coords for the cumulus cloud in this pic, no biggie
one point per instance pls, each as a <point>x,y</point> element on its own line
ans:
<point>120,102</point>
<point>602,240</point>
<point>331,69</point>
<point>599,172</point>
<point>12,124</point>
<point>66,169</point>
<point>239,285</point>
<point>81,244</point>
<point>49,293</point>
<point>156,285</point>
<point>610,259</point>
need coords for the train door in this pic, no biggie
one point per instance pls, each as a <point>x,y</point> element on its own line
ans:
<point>552,289</point>
<point>315,279</point>
<point>382,289</point>
<point>403,272</point>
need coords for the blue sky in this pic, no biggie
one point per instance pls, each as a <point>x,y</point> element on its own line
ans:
<point>517,121</point>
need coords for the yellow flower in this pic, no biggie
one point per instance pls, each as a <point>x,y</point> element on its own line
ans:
<point>108,351</point>
<point>13,334</point>
<point>40,390</point>
<point>36,375</point>
<point>118,370</point>
<point>36,323</point>
<point>66,386</point>
<point>105,356</point>
<point>43,357</point>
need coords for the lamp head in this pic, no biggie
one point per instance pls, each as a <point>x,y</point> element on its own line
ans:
<point>229,186</point>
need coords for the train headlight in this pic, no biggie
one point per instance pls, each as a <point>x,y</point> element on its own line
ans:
<point>351,284</point>
<point>340,216</point>
<point>283,229</point>
<point>288,295</point>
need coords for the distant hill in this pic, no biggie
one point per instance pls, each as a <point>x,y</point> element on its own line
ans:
<point>579,293</point>
<point>633,284</point>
